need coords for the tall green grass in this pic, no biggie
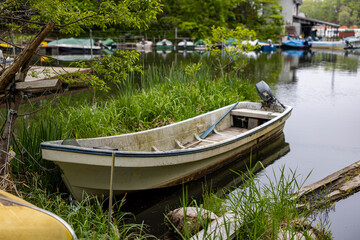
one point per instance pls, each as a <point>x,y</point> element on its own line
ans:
<point>262,210</point>
<point>89,218</point>
<point>162,100</point>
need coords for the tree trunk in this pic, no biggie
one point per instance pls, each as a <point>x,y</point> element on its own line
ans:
<point>20,65</point>
<point>24,57</point>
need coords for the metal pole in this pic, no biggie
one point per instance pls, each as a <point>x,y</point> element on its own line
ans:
<point>91,49</point>
<point>111,189</point>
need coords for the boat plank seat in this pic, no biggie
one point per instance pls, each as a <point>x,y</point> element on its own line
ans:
<point>254,113</point>
<point>224,134</point>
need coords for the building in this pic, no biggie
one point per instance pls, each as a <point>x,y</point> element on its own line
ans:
<point>296,23</point>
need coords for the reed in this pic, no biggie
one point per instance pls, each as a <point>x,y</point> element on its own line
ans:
<point>262,210</point>
<point>162,100</point>
<point>88,217</point>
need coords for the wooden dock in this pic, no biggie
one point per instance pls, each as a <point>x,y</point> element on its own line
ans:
<point>43,82</point>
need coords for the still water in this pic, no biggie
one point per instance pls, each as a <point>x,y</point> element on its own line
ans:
<point>321,136</point>
<point>323,131</point>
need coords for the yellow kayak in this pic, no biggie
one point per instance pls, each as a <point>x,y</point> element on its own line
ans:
<point>22,220</point>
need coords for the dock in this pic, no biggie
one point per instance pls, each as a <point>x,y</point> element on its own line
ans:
<point>43,82</point>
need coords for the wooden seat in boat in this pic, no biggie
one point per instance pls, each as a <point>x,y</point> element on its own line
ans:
<point>254,113</point>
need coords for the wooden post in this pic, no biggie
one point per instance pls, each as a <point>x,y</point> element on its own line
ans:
<point>111,189</point>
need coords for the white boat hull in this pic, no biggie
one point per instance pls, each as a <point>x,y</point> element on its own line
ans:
<point>89,170</point>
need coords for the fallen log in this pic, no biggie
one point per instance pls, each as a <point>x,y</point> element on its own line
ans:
<point>332,188</point>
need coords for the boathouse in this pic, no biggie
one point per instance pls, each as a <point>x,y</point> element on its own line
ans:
<point>296,23</point>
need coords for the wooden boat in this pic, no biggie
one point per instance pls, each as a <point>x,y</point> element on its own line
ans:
<point>167,155</point>
<point>22,220</point>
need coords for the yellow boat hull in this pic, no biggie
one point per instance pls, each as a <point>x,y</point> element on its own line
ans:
<point>22,220</point>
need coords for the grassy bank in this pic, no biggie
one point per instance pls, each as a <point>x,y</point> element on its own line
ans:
<point>165,96</point>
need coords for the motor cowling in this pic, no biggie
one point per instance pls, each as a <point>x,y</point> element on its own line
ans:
<point>265,93</point>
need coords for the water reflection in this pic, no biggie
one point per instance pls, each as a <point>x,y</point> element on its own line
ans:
<point>323,131</point>
<point>150,206</point>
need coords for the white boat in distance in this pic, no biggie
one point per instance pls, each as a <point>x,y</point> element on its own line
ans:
<point>168,155</point>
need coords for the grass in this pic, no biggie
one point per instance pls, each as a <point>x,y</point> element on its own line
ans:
<point>164,97</point>
<point>261,210</point>
<point>88,218</point>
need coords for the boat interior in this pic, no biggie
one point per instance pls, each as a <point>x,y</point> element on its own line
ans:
<point>186,134</point>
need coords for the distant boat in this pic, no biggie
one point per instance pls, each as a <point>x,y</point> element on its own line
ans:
<point>164,45</point>
<point>185,45</point>
<point>144,45</point>
<point>72,58</point>
<point>22,220</point>
<point>334,45</point>
<point>168,155</point>
<point>200,45</point>
<point>295,44</point>
<point>352,42</point>
<point>75,45</point>
<point>108,44</point>
<point>267,47</point>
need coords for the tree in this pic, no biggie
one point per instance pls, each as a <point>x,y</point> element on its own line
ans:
<point>196,18</point>
<point>69,17</point>
<point>344,12</point>
<point>262,16</point>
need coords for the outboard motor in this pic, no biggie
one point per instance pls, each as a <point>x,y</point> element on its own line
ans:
<point>266,95</point>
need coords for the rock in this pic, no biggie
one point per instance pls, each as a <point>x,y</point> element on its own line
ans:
<point>176,219</point>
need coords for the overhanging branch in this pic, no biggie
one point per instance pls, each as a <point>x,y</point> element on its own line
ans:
<point>24,56</point>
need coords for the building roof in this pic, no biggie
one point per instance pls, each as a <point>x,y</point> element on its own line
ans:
<point>306,20</point>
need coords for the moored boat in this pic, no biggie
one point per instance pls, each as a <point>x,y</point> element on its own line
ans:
<point>144,45</point>
<point>185,45</point>
<point>200,45</point>
<point>333,45</point>
<point>164,45</point>
<point>22,220</point>
<point>168,155</point>
<point>267,47</point>
<point>295,44</point>
<point>75,45</point>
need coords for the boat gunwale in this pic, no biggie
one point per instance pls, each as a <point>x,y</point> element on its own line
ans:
<point>177,152</point>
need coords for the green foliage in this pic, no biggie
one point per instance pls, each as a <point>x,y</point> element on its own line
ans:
<point>261,16</point>
<point>261,210</point>
<point>268,210</point>
<point>162,104</point>
<point>237,41</point>
<point>109,69</point>
<point>343,12</point>
<point>88,218</point>
<point>197,18</point>
<point>92,13</point>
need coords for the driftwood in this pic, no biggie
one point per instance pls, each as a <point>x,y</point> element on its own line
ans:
<point>334,187</point>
